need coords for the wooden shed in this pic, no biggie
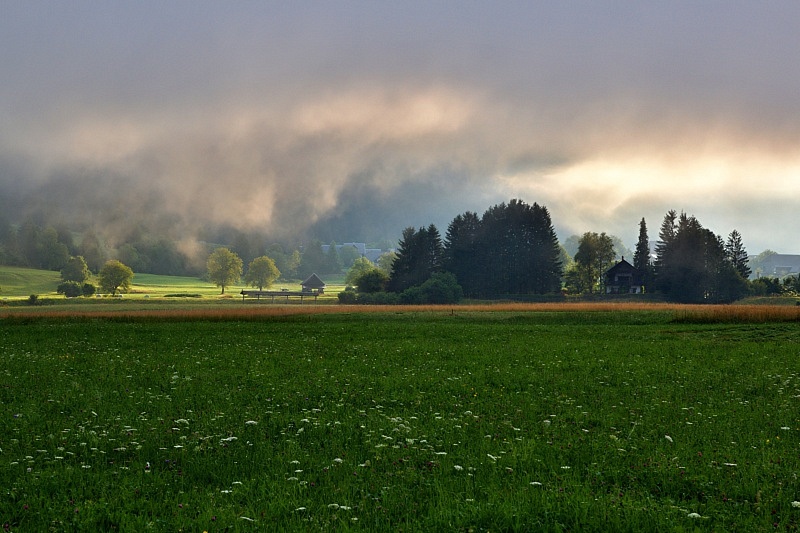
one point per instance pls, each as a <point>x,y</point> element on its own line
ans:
<point>313,284</point>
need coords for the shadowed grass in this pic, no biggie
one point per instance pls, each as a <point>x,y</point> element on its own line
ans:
<point>515,420</point>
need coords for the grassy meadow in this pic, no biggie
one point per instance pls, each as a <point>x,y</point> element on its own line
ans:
<point>461,419</point>
<point>17,284</point>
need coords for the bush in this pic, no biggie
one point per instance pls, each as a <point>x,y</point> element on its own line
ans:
<point>441,288</point>
<point>70,289</point>
<point>374,280</point>
<point>347,296</point>
<point>88,289</point>
<point>378,298</point>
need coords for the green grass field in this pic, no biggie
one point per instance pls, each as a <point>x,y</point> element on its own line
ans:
<point>412,421</point>
<point>19,283</point>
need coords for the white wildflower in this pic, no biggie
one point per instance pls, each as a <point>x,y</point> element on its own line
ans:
<point>251,423</point>
<point>693,515</point>
<point>668,438</point>
<point>796,504</point>
<point>492,457</point>
<point>333,506</point>
<point>536,483</point>
<point>337,460</point>
<point>458,468</point>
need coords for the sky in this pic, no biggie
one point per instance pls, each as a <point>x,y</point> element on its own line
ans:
<point>352,120</point>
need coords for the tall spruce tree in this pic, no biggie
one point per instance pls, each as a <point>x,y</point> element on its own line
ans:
<point>641,257</point>
<point>461,256</point>
<point>515,251</point>
<point>694,267</point>
<point>737,255</point>
<point>419,256</point>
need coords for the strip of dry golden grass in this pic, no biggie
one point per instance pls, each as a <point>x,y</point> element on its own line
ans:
<point>681,312</point>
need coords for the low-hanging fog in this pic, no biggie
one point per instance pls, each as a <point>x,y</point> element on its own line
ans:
<point>353,120</point>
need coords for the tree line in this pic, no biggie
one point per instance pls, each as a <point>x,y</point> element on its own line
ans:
<point>510,251</point>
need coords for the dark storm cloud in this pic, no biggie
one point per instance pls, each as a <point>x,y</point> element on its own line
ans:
<point>354,116</point>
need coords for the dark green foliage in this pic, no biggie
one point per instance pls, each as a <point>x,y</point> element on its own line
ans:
<point>419,256</point>
<point>462,251</point>
<point>374,280</point>
<point>512,250</point>
<point>347,296</point>
<point>88,289</point>
<point>641,257</point>
<point>75,270</point>
<point>441,288</point>
<point>692,265</point>
<point>70,289</point>
<point>766,286</point>
<point>737,255</point>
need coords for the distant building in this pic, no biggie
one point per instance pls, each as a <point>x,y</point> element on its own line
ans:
<point>313,284</point>
<point>778,265</point>
<point>624,278</point>
<point>370,253</point>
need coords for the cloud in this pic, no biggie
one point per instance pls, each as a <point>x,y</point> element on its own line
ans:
<point>364,118</point>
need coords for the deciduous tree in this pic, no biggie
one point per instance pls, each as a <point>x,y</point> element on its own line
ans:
<point>75,270</point>
<point>261,272</point>
<point>595,255</point>
<point>362,265</point>
<point>115,276</point>
<point>224,268</point>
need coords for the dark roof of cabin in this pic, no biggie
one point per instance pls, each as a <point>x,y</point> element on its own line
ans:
<point>622,265</point>
<point>313,282</point>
